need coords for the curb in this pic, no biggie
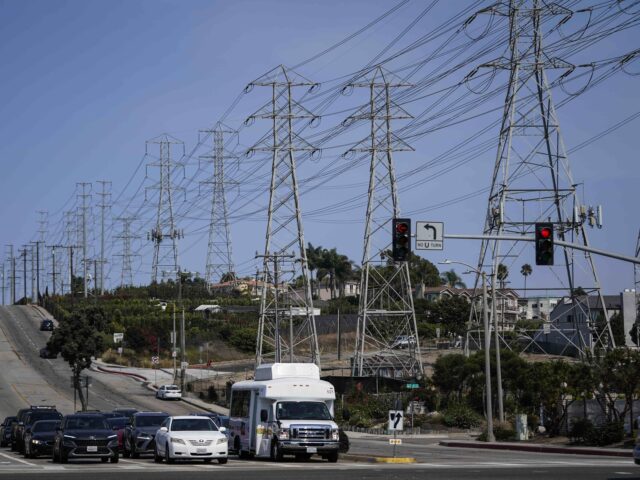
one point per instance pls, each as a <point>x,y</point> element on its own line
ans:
<point>367,459</point>
<point>126,374</point>
<point>540,448</point>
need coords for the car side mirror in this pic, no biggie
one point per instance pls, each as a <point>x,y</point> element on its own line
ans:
<point>222,429</point>
<point>164,429</point>
<point>264,415</point>
<point>346,414</point>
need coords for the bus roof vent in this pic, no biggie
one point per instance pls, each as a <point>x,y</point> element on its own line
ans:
<point>271,371</point>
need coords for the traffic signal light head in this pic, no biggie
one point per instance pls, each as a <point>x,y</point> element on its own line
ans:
<point>544,243</point>
<point>401,239</point>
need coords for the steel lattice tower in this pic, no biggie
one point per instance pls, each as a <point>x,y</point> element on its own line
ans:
<point>532,180</point>
<point>636,280</point>
<point>280,336</point>
<point>386,304</point>
<point>219,262</point>
<point>165,254</point>
<point>126,275</point>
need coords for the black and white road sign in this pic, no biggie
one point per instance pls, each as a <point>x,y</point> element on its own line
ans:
<point>429,235</point>
<point>396,418</point>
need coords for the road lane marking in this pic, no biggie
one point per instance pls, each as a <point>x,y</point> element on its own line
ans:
<point>15,459</point>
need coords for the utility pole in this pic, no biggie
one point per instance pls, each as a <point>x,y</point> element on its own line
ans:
<point>219,262</point>
<point>86,187</point>
<point>24,271</point>
<point>34,298</point>
<point>103,205</point>
<point>284,219</point>
<point>12,269</point>
<point>164,254</point>
<point>53,267</point>
<point>386,308</point>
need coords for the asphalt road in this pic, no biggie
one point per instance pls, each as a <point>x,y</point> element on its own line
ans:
<point>27,379</point>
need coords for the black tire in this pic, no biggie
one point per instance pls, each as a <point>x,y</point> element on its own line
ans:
<point>134,453</point>
<point>115,458</point>
<point>125,451</point>
<point>222,461</point>
<point>333,457</point>
<point>208,460</point>
<point>64,458</point>
<point>156,456</point>
<point>276,452</point>
<point>236,445</point>
<point>104,459</point>
<point>55,456</point>
<point>636,461</point>
<point>3,444</point>
<point>167,457</point>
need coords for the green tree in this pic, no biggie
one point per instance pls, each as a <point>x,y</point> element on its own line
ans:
<point>337,267</point>
<point>502,275</point>
<point>77,338</point>
<point>451,312</point>
<point>451,279</point>
<point>450,374</point>
<point>314,260</point>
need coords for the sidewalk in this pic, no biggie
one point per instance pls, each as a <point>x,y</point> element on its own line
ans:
<point>539,448</point>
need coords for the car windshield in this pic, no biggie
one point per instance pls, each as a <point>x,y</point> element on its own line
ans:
<point>45,416</point>
<point>86,423</point>
<point>150,421</point>
<point>45,426</point>
<point>118,422</point>
<point>302,411</point>
<point>193,424</point>
<point>171,387</point>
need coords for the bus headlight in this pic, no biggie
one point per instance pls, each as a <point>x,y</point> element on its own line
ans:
<point>283,434</point>
<point>335,434</point>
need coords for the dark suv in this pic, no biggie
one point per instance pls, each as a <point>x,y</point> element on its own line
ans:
<point>32,416</point>
<point>85,435</point>
<point>139,436</point>
<point>46,325</point>
<point>5,430</point>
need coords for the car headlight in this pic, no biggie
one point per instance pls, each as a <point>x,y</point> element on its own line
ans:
<point>36,442</point>
<point>221,441</point>
<point>283,434</point>
<point>178,440</point>
<point>335,434</point>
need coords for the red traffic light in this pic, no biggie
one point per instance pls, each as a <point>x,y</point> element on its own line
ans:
<point>545,232</point>
<point>402,227</point>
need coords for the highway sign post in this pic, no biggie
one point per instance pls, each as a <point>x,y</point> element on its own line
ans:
<point>395,424</point>
<point>117,337</point>
<point>155,360</point>
<point>429,235</point>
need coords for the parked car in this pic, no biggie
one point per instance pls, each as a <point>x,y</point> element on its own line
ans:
<point>46,353</point>
<point>85,435</point>
<point>32,416</point>
<point>46,325</point>
<point>404,341</point>
<point>118,425</point>
<point>169,392</point>
<point>38,439</point>
<point>14,427</point>
<point>139,436</point>
<point>5,430</point>
<point>219,419</point>
<point>190,438</point>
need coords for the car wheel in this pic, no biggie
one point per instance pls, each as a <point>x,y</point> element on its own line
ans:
<point>104,459</point>
<point>64,458</point>
<point>156,456</point>
<point>222,461</point>
<point>636,461</point>
<point>55,455</point>
<point>125,451</point>
<point>167,457</point>
<point>134,454</point>
<point>333,457</point>
<point>115,458</point>
<point>276,452</point>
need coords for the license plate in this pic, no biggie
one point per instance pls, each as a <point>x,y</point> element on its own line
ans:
<point>92,449</point>
<point>201,450</point>
<point>312,450</point>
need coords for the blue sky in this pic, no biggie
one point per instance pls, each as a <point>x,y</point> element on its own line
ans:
<point>86,83</point>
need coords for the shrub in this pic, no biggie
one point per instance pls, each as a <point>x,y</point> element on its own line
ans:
<point>610,432</point>
<point>461,416</point>
<point>580,430</point>
<point>503,432</point>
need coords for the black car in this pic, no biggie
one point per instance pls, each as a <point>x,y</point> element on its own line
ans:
<point>14,426</point>
<point>29,418</point>
<point>85,435</point>
<point>139,436</point>
<point>46,325</point>
<point>125,412</point>
<point>5,430</point>
<point>38,440</point>
<point>46,353</point>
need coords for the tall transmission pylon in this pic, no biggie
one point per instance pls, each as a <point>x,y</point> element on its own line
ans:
<point>43,228</point>
<point>532,182</point>
<point>71,237</point>
<point>386,308</point>
<point>165,234</point>
<point>126,276</point>
<point>636,282</point>
<point>85,198</point>
<point>281,337</point>
<point>219,261</point>
<point>104,206</point>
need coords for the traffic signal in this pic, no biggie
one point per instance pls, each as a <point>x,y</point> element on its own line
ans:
<point>401,244</point>
<point>544,243</point>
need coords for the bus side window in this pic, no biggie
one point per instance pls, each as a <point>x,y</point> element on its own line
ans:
<point>240,403</point>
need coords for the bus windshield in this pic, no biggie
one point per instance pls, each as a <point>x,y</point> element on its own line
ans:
<point>302,411</point>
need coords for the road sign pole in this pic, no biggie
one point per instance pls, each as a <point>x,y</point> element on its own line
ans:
<point>394,443</point>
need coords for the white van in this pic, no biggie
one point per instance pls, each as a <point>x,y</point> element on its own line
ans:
<point>286,410</point>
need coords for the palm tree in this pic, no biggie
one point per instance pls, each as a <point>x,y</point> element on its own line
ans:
<point>314,260</point>
<point>526,271</point>
<point>503,273</point>
<point>451,279</point>
<point>337,266</point>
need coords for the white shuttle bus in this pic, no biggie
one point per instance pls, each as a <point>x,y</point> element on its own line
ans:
<point>285,410</point>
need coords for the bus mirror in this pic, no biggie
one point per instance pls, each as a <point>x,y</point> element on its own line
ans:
<point>264,415</point>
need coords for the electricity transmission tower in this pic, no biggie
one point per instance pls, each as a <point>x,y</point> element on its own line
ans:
<point>126,277</point>
<point>72,237</point>
<point>532,182</point>
<point>636,282</point>
<point>84,196</point>
<point>43,227</point>
<point>219,261</point>
<point>285,257</point>
<point>104,205</point>
<point>165,233</point>
<point>386,308</point>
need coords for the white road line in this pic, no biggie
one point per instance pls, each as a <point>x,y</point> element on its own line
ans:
<point>17,459</point>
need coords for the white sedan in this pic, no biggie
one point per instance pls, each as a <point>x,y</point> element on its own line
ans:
<point>169,392</point>
<point>190,438</point>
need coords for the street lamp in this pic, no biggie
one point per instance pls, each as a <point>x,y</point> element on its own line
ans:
<point>487,347</point>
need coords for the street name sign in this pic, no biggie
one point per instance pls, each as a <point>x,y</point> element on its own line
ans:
<point>429,235</point>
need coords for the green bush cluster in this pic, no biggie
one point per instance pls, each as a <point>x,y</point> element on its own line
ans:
<point>460,415</point>
<point>584,432</point>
